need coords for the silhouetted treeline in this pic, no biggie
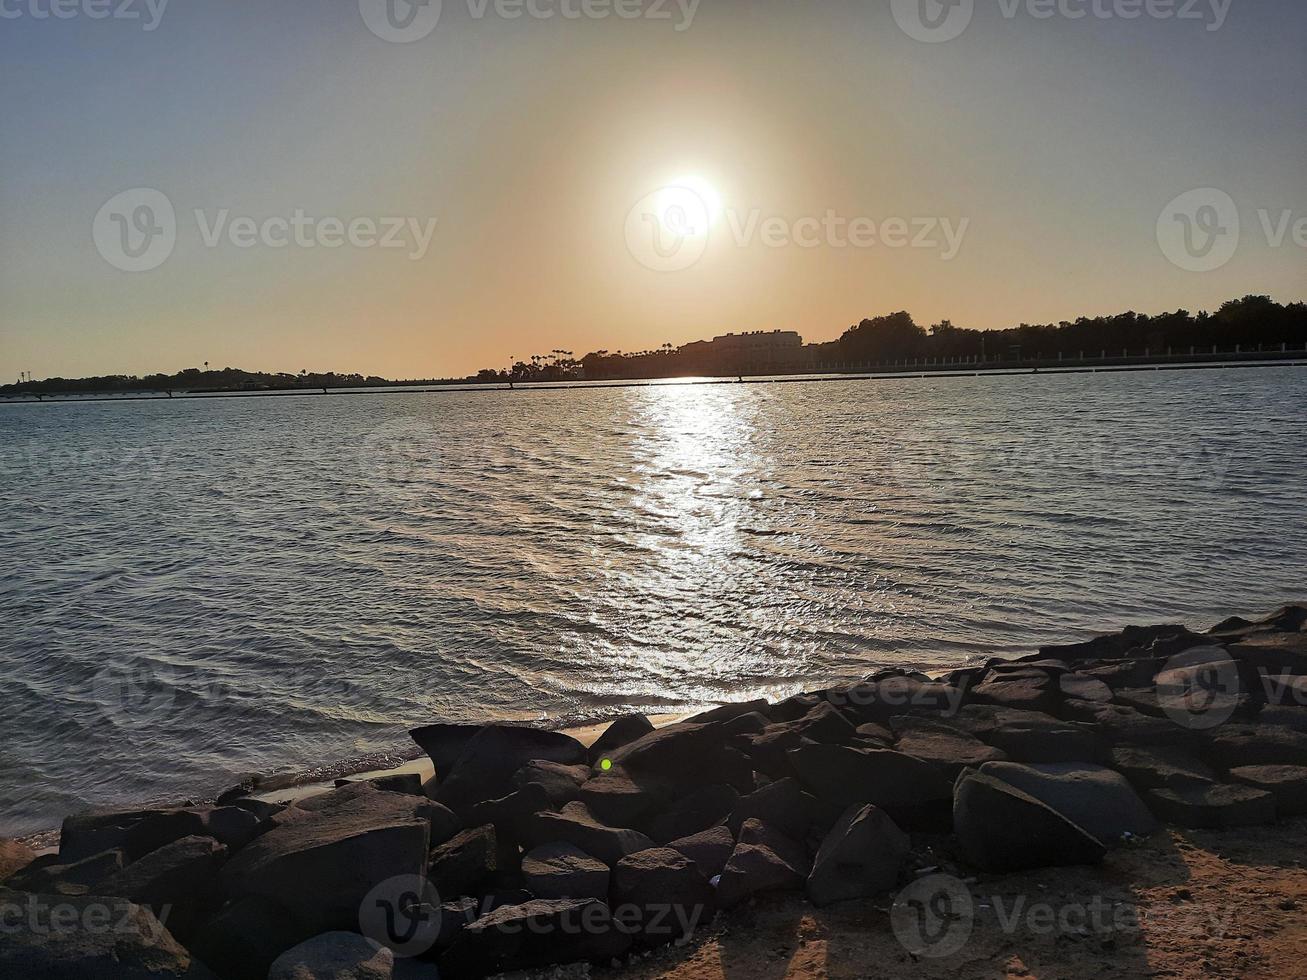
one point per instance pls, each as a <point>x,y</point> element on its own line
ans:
<point>1246,323</point>
<point>196,380</point>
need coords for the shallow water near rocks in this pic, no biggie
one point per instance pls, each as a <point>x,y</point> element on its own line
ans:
<point>191,590</point>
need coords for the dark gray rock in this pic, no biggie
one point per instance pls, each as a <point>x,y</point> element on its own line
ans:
<point>729,712</point>
<point>1215,805</point>
<point>86,873</point>
<point>862,855</point>
<point>462,863</point>
<point>709,849</point>
<point>137,832</point>
<point>485,768</point>
<point>948,748</point>
<point>261,809</point>
<point>334,956</point>
<point>562,870</point>
<point>698,810</point>
<point>785,806</point>
<point>535,934</point>
<point>561,783</point>
<point>1161,767</point>
<point>321,866</point>
<point>179,882</point>
<point>1029,736</point>
<point>94,939</point>
<point>510,815</point>
<point>1096,799</point>
<point>907,787</point>
<point>754,868</point>
<point>1256,745</point>
<point>1025,690</point>
<point>1288,784</point>
<point>231,826</point>
<point>246,936</point>
<point>575,824</point>
<point>623,731</point>
<point>622,799</point>
<point>1001,829</point>
<point>443,744</point>
<point>1084,687</point>
<point>670,891</point>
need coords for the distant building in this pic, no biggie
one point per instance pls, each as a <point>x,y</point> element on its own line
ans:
<point>755,351</point>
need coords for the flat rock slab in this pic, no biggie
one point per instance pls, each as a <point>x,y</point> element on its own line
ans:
<point>1217,805</point>
<point>862,855</point>
<point>562,870</point>
<point>533,934</point>
<point>334,956</point>
<point>109,938</point>
<point>843,776</point>
<point>1288,784</point>
<point>1161,767</point>
<point>322,866</point>
<point>1096,799</point>
<point>575,824</point>
<point>1002,828</point>
<point>1256,745</point>
<point>710,849</point>
<point>950,749</point>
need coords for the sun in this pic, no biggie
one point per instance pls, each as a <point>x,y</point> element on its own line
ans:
<point>688,206</point>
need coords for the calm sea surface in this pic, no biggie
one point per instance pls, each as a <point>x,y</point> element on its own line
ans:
<point>191,590</point>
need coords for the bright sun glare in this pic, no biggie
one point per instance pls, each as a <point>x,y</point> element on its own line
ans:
<point>688,206</point>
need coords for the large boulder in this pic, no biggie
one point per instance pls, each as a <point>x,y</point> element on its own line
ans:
<point>910,789</point>
<point>759,864</point>
<point>79,877</point>
<point>60,937</point>
<point>677,755</point>
<point>670,891</point>
<point>709,849</point>
<point>1256,745</point>
<point>562,870</point>
<point>511,814</point>
<point>785,806</point>
<point>485,768</point>
<point>1288,784</point>
<point>730,711</point>
<point>335,956</point>
<point>949,748</point>
<point>562,784</point>
<point>444,743</point>
<point>1096,799</point>
<point>623,798</point>
<point>862,855</point>
<point>137,831</point>
<point>621,732</point>
<point>179,882</point>
<point>533,934</point>
<point>697,810</point>
<point>322,866</point>
<point>246,936</point>
<point>1161,767</point>
<point>1027,690</point>
<point>1213,806</point>
<point>575,824</point>
<point>1001,829</point>
<point>461,864</point>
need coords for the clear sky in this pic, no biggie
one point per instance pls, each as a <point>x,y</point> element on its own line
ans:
<point>1049,145</point>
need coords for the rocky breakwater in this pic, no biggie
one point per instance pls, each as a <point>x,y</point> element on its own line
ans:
<point>529,848</point>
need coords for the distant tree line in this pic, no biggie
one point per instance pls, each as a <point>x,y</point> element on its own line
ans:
<point>1248,323</point>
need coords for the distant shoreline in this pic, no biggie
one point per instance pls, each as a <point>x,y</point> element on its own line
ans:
<point>880,372</point>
